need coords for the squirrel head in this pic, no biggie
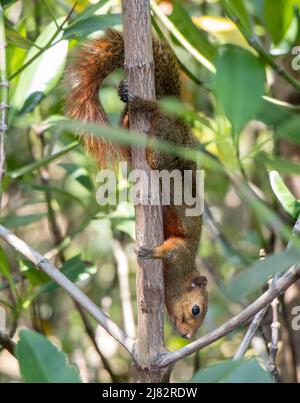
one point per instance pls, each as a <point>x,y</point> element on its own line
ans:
<point>188,310</point>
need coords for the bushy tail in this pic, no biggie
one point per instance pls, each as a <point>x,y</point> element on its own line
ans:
<point>92,63</point>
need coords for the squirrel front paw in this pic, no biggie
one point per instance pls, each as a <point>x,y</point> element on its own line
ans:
<point>144,253</point>
<point>125,95</point>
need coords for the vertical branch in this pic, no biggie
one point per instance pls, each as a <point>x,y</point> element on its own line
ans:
<point>3,96</point>
<point>139,66</point>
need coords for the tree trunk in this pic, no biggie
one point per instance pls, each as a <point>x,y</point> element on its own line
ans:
<point>139,66</point>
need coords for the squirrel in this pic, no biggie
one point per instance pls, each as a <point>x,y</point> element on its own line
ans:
<point>186,297</point>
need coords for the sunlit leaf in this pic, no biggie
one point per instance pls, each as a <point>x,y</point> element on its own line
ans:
<point>89,25</point>
<point>289,129</point>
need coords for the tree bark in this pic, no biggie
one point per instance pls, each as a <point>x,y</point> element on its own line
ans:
<point>139,67</point>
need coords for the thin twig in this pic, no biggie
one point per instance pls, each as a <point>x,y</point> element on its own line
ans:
<point>45,266</point>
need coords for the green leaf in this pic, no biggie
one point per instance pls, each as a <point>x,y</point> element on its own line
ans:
<point>89,11</point>
<point>240,10</point>
<point>239,371</point>
<point>33,275</point>
<point>79,174</point>
<point>255,277</point>
<point>239,85</point>
<point>289,203</point>
<point>197,38</point>
<point>4,265</point>
<point>87,26</point>
<point>16,39</point>
<point>44,162</point>
<point>42,75</point>
<point>74,269</point>
<point>278,17</point>
<point>21,220</point>
<point>41,362</point>
<point>204,54</point>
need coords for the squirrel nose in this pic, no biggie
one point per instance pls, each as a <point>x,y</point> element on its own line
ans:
<point>187,336</point>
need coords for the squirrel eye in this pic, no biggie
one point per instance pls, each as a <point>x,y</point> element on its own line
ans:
<point>195,310</point>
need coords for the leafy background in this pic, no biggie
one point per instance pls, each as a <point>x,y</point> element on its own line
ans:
<point>246,117</point>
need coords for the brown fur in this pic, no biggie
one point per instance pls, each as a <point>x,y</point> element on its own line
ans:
<point>184,287</point>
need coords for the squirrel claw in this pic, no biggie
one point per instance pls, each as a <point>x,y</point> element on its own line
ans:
<point>144,253</point>
<point>123,91</point>
<point>125,94</point>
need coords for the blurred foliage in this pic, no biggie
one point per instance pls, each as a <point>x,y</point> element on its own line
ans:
<point>231,99</point>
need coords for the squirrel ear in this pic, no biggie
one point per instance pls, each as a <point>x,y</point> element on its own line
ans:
<point>200,282</point>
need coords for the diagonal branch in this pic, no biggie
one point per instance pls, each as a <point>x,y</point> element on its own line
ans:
<point>279,286</point>
<point>45,266</point>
